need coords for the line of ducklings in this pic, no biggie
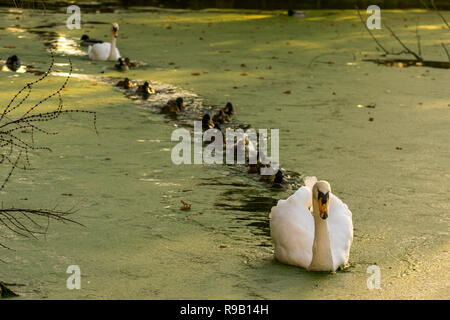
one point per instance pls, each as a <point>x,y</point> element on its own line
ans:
<point>224,115</point>
<point>221,117</point>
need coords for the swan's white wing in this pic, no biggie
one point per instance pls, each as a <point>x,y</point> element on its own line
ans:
<point>341,230</point>
<point>310,182</point>
<point>99,51</point>
<point>292,229</point>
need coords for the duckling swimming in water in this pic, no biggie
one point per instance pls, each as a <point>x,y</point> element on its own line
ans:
<point>221,117</point>
<point>280,182</point>
<point>173,106</point>
<point>228,109</point>
<point>207,123</point>
<point>125,83</point>
<point>86,41</point>
<point>145,90</point>
<point>255,167</point>
<point>131,64</point>
<point>121,65</point>
<point>13,63</point>
<point>224,114</point>
<point>296,14</point>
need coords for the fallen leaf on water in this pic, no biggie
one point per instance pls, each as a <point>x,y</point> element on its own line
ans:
<point>94,83</point>
<point>287,92</point>
<point>195,73</point>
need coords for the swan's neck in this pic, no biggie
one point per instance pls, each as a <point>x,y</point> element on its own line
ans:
<point>322,259</point>
<point>112,52</point>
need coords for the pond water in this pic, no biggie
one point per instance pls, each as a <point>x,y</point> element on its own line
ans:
<point>303,76</point>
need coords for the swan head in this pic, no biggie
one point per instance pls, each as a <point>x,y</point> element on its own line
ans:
<point>321,197</point>
<point>115,29</point>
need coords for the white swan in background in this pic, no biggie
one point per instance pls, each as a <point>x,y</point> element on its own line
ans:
<point>106,51</point>
<point>317,241</point>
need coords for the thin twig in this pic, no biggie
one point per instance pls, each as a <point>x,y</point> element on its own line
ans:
<point>402,44</point>
<point>370,32</point>
<point>440,15</point>
<point>446,51</point>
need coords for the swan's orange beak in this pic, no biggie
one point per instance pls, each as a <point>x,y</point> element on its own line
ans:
<point>323,210</point>
<point>323,204</point>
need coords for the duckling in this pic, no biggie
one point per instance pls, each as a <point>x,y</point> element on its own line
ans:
<point>121,65</point>
<point>173,106</point>
<point>13,63</point>
<point>131,64</point>
<point>125,83</point>
<point>145,90</point>
<point>86,41</point>
<point>255,167</point>
<point>228,109</point>
<point>280,182</point>
<point>221,117</point>
<point>207,123</point>
<point>296,14</point>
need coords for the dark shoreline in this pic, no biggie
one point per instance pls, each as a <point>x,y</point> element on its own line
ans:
<point>231,4</point>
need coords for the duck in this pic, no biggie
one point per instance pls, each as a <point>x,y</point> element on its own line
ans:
<point>131,64</point>
<point>221,117</point>
<point>173,106</point>
<point>121,65</point>
<point>255,167</point>
<point>106,51</point>
<point>312,229</point>
<point>224,114</point>
<point>207,123</point>
<point>296,14</point>
<point>13,63</point>
<point>86,41</point>
<point>145,90</point>
<point>125,83</point>
<point>228,109</point>
<point>279,182</point>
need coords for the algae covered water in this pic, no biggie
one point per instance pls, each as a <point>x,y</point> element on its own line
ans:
<point>305,77</point>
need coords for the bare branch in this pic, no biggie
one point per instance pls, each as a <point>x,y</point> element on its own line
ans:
<point>440,14</point>
<point>407,50</point>
<point>370,32</point>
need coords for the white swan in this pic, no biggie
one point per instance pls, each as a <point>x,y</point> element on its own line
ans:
<point>317,241</point>
<point>106,51</point>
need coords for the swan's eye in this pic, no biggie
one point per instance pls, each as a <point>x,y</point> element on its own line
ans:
<point>323,197</point>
